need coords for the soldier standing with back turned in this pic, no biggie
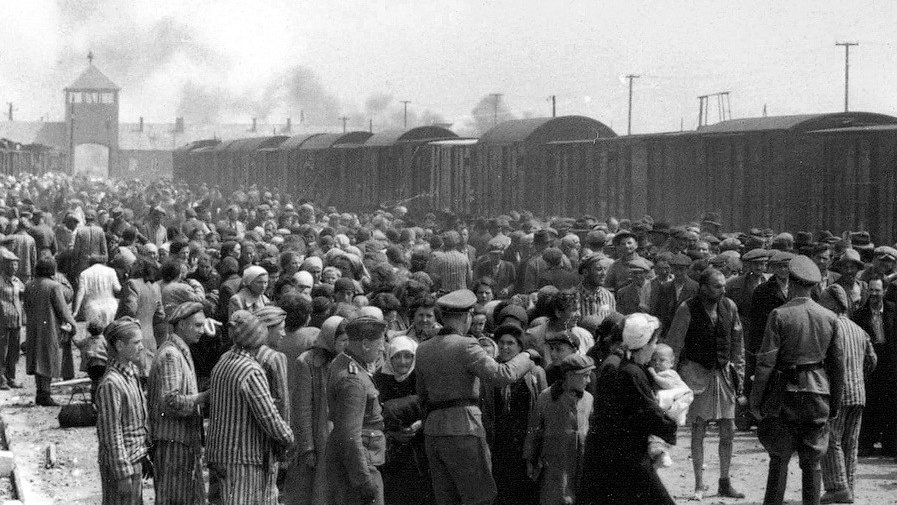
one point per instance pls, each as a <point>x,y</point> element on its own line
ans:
<point>449,368</point>
<point>798,383</point>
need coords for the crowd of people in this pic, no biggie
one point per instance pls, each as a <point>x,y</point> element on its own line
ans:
<point>298,355</point>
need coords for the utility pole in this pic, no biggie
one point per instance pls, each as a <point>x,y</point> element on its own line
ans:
<point>10,110</point>
<point>629,123</point>
<point>371,125</point>
<point>553,99</point>
<point>344,119</point>
<point>496,97</point>
<point>405,103</point>
<point>846,68</point>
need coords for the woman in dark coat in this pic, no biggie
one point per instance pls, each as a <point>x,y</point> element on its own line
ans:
<point>405,477</point>
<point>506,420</point>
<point>46,312</point>
<point>617,468</point>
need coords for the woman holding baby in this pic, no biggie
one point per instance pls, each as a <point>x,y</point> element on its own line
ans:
<point>618,468</point>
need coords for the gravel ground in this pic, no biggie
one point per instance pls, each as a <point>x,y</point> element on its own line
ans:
<point>75,479</point>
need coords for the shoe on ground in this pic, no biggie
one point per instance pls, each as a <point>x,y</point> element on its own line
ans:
<point>46,402</point>
<point>727,491</point>
<point>843,496</point>
<point>15,384</point>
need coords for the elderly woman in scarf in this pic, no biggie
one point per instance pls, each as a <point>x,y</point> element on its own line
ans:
<point>251,296</point>
<point>305,480</point>
<point>405,475</point>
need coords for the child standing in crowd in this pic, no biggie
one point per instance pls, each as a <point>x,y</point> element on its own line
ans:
<point>674,397</point>
<point>558,426</point>
<point>94,355</point>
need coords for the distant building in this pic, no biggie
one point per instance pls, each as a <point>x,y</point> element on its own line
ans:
<point>96,142</point>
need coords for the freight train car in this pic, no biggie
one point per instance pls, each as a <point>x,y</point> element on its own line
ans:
<point>824,171</point>
<point>322,163</point>
<point>388,173</point>
<point>188,167</point>
<point>513,170</point>
<point>35,159</point>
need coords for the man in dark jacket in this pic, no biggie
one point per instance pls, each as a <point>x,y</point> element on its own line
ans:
<point>878,317</point>
<point>798,384</point>
<point>671,295</point>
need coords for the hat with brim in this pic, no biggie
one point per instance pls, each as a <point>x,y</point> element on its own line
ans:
<point>804,270</point>
<point>757,255</point>
<point>623,234</point>
<point>850,256</point>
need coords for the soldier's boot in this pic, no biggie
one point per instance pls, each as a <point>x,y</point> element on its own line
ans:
<point>776,481</point>
<point>811,486</point>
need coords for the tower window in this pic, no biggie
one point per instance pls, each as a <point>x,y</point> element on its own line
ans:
<point>107,98</point>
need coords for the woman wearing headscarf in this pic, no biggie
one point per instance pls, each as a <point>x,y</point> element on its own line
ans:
<point>252,292</point>
<point>505,416</point>
<point>405,475</point>
<point>617,468</point>
<point>46,311</point>
<point>306,480</point>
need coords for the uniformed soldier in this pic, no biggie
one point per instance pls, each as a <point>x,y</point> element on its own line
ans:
<point>798,383</point>
<point>449,368</point>
<point>356,446</point>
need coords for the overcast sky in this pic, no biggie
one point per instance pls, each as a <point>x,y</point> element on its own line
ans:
<point>229,60</point>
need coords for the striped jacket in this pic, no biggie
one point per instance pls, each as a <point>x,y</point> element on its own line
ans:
<point>595,302</point>
<point>274,364</point>
<point>174,415</point>
<point>244,424</point>
<point>452,268</point>
<point>121,422</point>
<point>859,358</point>
<point>12,313</point>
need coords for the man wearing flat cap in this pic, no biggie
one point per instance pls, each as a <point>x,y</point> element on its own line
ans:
<point>24,247</point>
<point>767,296</point>
<point>625,245</point>
<point>671,295</point>
<point>740,289</point>
<point>849,265</point>
<point>12,318</point>
<point>274,362</point>
<point>245,428</point>
<point>449,368</point>
<point>798,384</point>
<point>175,416</point>
<point>357,445</point>
<point>501,272</point>
<point>634,297</point>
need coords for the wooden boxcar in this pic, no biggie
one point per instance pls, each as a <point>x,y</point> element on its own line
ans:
<point>514,169</point>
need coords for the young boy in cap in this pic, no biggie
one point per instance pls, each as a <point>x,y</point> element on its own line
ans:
<point>559,424</point>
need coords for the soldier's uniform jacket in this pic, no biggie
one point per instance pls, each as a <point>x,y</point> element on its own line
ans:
<point>802,341</point>
<point>357,437</point>
<point>448,372</point>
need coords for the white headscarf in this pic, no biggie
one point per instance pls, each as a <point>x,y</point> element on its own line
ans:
<point>397,344</point>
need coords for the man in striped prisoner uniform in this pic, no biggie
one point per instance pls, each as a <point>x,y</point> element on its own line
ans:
<point>274,364</point>
<point>840,462</point>
<point>175,417</point>
<point>245,429</point>
<point>121,422</point>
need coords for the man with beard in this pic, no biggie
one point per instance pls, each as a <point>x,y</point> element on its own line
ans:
<point>706,338</point>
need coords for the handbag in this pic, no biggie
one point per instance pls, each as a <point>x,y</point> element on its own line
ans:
<point>77,414</point>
